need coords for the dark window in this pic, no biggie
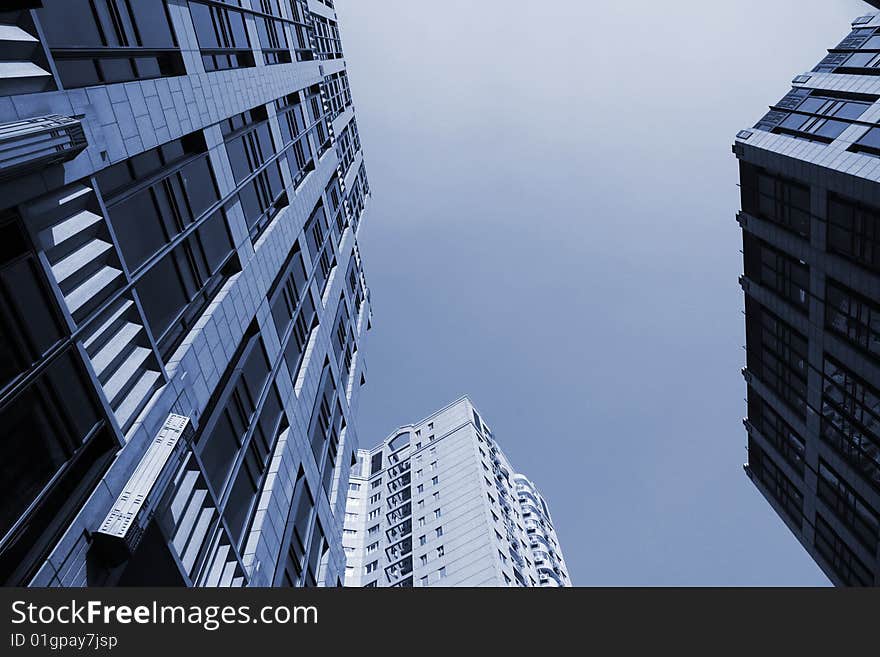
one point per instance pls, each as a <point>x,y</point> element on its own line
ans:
<point>338,93</point>
<point>320,246</point>
<point>301,30</point>
<point>316,117</point>
<point>56,445</point>
<point>222,36</point>
<point>317,549</point>
<point>250,146</point>
<point>783,490</point>
<point>774,198</point>
<point>293,310</point>
<point>776,355</point>
<point>347,146</point>
<point>842,559</point>
<point>273,41</point>
<point>153,197</point>
<point>295,126</point>
<point>325,426</point>
<point>853,316</point>
<point>30,323</point>
<point>357,196</point>
<point>106,41</point>
<point>777,431</point>
<point>241,504</point>
<point>848,506</point>
<point>376,463</point>
<point>328,45</point>
<point>301,512</point>
<point>778,271</point>
<point>176,290</point>
<point>228,427</point>
<point>851,419</point>
<point>854,231</point>
<point>814,115</point>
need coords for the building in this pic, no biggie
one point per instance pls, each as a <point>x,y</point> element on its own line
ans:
<point>183,302</point>
<point>810,183</point>
<point>438,504</point>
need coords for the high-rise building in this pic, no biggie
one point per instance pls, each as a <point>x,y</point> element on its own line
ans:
<point>182,303</point>
<point>810,183</point>
<point>438,504</point>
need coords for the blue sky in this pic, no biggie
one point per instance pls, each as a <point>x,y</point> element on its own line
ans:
<point>553,233</point>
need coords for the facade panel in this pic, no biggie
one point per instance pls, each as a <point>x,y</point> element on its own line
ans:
<point>182,187</point>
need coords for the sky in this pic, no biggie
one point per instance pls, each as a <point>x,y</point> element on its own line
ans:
<point>552,232</point>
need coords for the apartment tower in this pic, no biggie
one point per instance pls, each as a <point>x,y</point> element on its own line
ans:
<point>183,301</point>
<point>810,183</point>
<point>438,504</point>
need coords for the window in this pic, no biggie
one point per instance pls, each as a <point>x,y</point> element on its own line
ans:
<point>441,572</point>
<point>375,498</point>
<point>771,197</point>
<point>853,317</point>
<point>152,199</point>
<point>30,322</point>
<point>295,124</point>
<point>424,580</point>
<point>433,465</point>
<point>440,551</point>
<point>437,513</point>
<point>787,442</point>
<point>374,514</point>
<point>299,520</point>
<point>371,567</point>
<point>250,147</point>
<point>777,483</point>
<point>56,446</point>
<point>423,539</point>
<point>420,488</point>
<point>777,355</point>
<point>293,310</point>
<point>814,115</point>
<point>854,231</point>
<point>439,532</point>
<point>372,584</point>
<point>107,41</point>
<point>222,36</point>
<point>273,41</point>
<point>347,146</point>
<point>850,419</point>
<point>435,480</point>
<point>328,43</point>
<point>320,246</point>
<point>377,482</point>
<point>436,496</point>
<point>419,475</point>
<point>422,521</point>
<point>326,426</point>
<point>777,271</point>
<point>848,506</point>
<point>842,559</point>
<point>372,531</point>
<point>421,504</point>
<point>354,487</point>
<point>424,559</point>
<point>338,93</point>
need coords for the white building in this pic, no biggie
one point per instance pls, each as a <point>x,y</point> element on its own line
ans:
<point>438,504</point>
